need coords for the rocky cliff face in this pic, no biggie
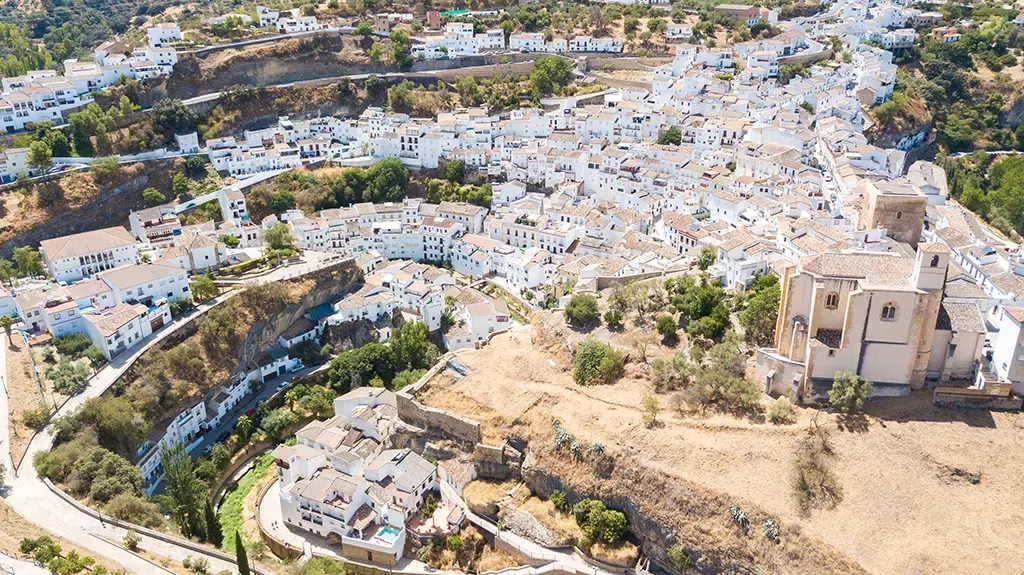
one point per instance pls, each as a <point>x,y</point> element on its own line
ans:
<point>664,511</point>
<point>109,209</point>
<point>330,283</point>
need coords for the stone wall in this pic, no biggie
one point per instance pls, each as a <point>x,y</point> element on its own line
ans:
<point>437,420</point>
<point>955,398</point>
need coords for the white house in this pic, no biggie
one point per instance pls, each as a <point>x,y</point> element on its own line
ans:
<point>73,257</point>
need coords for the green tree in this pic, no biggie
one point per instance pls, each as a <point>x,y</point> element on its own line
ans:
<point>667,327</point>
<point>172,115</point>
<point>364,29</point>
<point>848,392</point>
<point>187,491</point>
<point>319,401</point>
<point>195,167</point>
<point>374,85</point>
<point>229,240</point>
<point>68,378</point>
<point>401,45</point>
<point>152,197</point>
<point>279,237</point>
<point>7,323</point>
<point>708,255</point>
<point>7,272</point>
<point>759,317</point>
<point>581,310</point>
<point>102,475</point>
<point>213,532</point>
<point>202,288</point>
<point>278,420</point>
<point>672,136</point>
<point>282,201</point>
<point>241,560</point>
<point>180,185</point>
<point>243,428</point>
<point>28,262</point>
<point>386,181</point>
<point>455,171</point>
<point>550,74</point>
<point>358,366</point>
<point>39,156</point>
<point>410,348</point>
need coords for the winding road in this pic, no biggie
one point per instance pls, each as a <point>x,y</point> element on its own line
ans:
<point>29,496</point>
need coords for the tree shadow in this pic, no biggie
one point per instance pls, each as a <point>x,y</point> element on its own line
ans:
<point>853,422</point>
<point>918,406</point>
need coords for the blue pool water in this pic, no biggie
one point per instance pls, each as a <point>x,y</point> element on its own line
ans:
<point>388,533</point>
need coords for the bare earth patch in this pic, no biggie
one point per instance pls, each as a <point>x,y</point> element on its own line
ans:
<point>23,394</point>
<point>897,465</point>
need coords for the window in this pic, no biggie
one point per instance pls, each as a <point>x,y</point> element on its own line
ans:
<point>935,261</point>
<point>832,300</point>
<point>899,215</point>
<point>889,312</point>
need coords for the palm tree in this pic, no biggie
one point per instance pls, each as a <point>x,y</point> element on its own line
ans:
<point>6,322</point>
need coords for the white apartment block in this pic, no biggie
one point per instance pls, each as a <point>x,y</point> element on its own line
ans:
<point>74,257</point>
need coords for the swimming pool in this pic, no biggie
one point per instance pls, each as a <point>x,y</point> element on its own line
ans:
<point>388,533</point>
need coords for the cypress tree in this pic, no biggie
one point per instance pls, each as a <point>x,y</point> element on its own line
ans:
<point>213,533</point>
<point>240,556</point>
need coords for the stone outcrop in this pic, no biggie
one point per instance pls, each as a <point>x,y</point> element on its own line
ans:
<point>524,524</point>
<point>664,511</point>
<point>331,282</point>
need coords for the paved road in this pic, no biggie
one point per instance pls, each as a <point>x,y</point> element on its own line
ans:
<point>30,497</point>
<point>12,566</point>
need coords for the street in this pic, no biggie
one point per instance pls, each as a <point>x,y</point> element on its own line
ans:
<point>34,501</point>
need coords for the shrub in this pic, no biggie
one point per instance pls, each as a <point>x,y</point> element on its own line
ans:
<point>613,318</point>
<point>103,474</point>
<point>814,483</point>
<point>581,310</point>
<point>560,500</point>
<point>679,558</point>
<point>597,362</point>
<point>68,378</point>
<point>34,418</point>
<point>152,197</point>
<point>848,392</point>
<point>131,540</point>
<point>106,168</point>
<point>667,327</point>
<point>649,410</point>
<point>132,508</point>
<point>599,525</point>
<point>72,345</point>
<point>781,411</point>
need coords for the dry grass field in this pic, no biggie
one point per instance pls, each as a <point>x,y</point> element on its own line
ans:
<point>907,470</point>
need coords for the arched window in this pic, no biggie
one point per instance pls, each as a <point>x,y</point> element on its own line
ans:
<point>889,312</point>
<point>899,215</point>
<point>832,300</point>
<point>935,261</point>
